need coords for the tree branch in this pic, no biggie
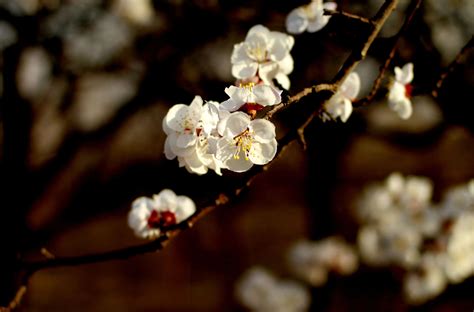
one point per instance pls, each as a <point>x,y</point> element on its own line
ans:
<point>455,63</point>
<point>350,16</point>
<point>224,197</point>
<point>414,6</point>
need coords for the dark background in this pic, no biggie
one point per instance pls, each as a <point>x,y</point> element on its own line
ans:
<point>84,90</point>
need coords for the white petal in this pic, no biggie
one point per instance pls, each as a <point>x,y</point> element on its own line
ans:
<point>194,164</point>
<point>240,164</point>
<point>283,80</point>
<point>335,106</point>
<point>244,70</point>
<point>175,117</point>
<point>258,30</point>
<point>239,54</point>
<point>185,140</point>
<point>178,151</point>
<point>168,152</point>
<point>396,92</point>
<point>266,95</point>
<point>263,130</point>
<point>278,47</point>
<point>346,110</point>
<point>286,64</point>
<point>404,75</point>
<point>318,23</point>
<point>210,116</point>
<point>403,108</point>
<point>226,149</point>
<point>263,153</point>
<point>186,208</point>
<point>165,127</point>
<point>351,86</point>
<point>237,123</point>
<point>231,105</point>
<point>267,71</point>
<point>195,111</point>
<point>165,200</point>
<point>330,6</point>
<point>296,21</point>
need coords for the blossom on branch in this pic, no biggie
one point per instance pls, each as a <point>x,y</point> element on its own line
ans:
<point>340,104</point>
<point>245,142</point>
<point>254,96</point>
<point>190,133</point>
<point>309,17</point>
<point>265,54</point>
<point>149,216</point>
<point>400,91</point>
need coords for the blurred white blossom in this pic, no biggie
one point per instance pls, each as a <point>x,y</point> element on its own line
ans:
<point>260,291</point>
<point>313,261</point>
<point>309,17</point>
<point>433,242</point>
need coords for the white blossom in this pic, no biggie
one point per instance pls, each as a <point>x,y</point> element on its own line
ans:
<point>309,17</point>
<point>426,282</point>
<point>149,216</point>
<point>312,261</point>
<point>191,135</point>
<point>433,242</point>
<point>250,93</point>
<point>459,262</point>
<point>245,142</point>
<point>340,104</point>
<point>400,91</point>
<point>260,291</point>
<point>265,54</point>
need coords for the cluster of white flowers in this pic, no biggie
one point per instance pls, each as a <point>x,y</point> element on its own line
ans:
<point>309,17</point>
<point>313,261</point>
<point>149,216</point>
<point>260,291</point>
<point>433,242</point>
<point>227,135</point>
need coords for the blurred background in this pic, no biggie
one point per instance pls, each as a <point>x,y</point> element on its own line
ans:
<point>84,86</point>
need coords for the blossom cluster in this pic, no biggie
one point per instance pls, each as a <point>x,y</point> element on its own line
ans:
<point>313,261</point>
<point>258,290</point>
<point>434,243</point>
<point>149,216</point>
<point>227,135</point>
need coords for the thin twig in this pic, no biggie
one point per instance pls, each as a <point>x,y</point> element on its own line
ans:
<point>414,6</point>
<point>455,63</point>
<point>224,198</point>
<point>349,16</point>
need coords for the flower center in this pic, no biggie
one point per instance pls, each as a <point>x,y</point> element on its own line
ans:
<point>243,142</point>
<point>158,219</point>
<point>408,90</point>
<point>249,86</point>
<point>258,52</point>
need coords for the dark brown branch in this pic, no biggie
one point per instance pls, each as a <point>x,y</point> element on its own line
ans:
<point>455,63</point>
<point>223,198</point>
<point>414,6</point>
